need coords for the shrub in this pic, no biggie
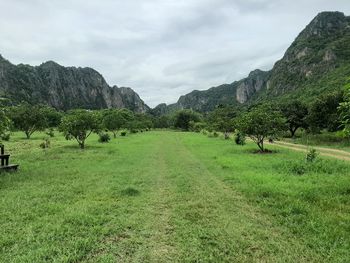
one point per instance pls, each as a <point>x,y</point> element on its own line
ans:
<point>204,132</point>
<point>215,134</point>
<point>45,144</point>
<point>311,155</point>
<point>104,137</point>
<point>50,132</point>
<point>196,126</point>
<point>240,138</point>
<point>6,137</point>
<point>123,133</point>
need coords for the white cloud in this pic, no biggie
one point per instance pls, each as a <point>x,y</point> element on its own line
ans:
<point>160,48</point>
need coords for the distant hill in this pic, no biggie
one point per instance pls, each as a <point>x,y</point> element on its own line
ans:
<point>318,61</point>
<point>64,87</point>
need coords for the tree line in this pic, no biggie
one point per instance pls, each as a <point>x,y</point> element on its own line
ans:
<point>329,112</point>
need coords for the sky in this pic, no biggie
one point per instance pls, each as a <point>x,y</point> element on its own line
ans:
<point>161,48</point>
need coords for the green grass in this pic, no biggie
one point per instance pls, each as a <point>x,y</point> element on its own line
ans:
<point>171,197</point>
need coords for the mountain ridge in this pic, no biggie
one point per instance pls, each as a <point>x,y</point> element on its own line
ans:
<point>64,88</point>
<point>321,50</point>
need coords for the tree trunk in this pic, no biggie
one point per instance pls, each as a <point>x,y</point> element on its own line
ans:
<point>227,135</point>
<point>115,134</point>
<point>82,145</point>
<point>292,131</point>
<point>27,134</point>
<point>261,145</point>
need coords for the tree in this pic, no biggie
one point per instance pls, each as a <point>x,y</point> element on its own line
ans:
<point>345,111</point>
<point>114,120</point>
<point>323,113</point>
<point>4,123</point>
<point>222,119</point>
<point>162,122</point>
<point>29,118</point>
<point>261,122</point>
<point>295,113</point>
<point>183,118</point>
<point>53,116</point>
<point>79,124</point>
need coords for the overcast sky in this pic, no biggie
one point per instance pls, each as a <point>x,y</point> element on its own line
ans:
<point>160,48</point>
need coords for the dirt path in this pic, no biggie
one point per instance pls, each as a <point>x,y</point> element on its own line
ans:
<point>328,152</point>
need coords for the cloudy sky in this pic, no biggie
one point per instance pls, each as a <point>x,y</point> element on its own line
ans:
<point>160,48</point>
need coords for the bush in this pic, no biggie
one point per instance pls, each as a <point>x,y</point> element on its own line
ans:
<point>123,133</point>
<point>204,132</point>
<point>311,155</point>
<point>50,132</point>
<point>196,126</point>
<point>45,144</point>
<point>240,138</point>
<point>215,134</point>
<point>6,137</point>
<point>104,137</point>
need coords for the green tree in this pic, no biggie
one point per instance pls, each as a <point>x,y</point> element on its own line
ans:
<point>222,119</point>
<point>53,116</point>
<point>5,123</point>
<point>114,120</point>
<point>79,124</point>
<point>261,122</point>
<point>162,122</point>
<point>183,118</point>
<point>295,113</point>
<point>324,114</point>
<point>29,118</point>
<point>345,111</point>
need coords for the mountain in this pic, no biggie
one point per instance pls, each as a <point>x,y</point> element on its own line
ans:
<point>64,88</point>
<point>318,61</point>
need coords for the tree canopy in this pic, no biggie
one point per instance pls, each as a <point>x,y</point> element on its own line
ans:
<point>79,124</point>
<point>29,118</point>
<point>295,113</point>
<point>261,122</point>
<point>183,118</point>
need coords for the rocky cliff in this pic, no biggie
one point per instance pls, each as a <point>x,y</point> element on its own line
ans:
<point>64,87</point>
<point>317,61</point>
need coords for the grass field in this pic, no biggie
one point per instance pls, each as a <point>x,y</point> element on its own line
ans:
<point>167,196</point>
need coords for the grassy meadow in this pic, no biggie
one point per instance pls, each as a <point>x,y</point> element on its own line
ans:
<point>166,196</point>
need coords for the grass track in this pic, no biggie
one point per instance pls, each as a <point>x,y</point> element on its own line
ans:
<point>170,196</point>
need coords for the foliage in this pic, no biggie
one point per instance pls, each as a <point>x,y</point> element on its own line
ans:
<point>239,138</point>
<point>162,122</point>
<point>50,132</point>
<point>104,137</point>
<point>345,111</point>
<point>123,133</point>
<point>183,118</point>
<point>196,126</point>
<point>29,118</point>
<point>79,124</point>
<point>222,119</point>
<point>323,112</point>
<point>311,155</point>
<point>114,120</point>
<point>5,123</point>
<point>295,113</point>
<point>261,122</point>
<point>53,117</point>
<point>46,143</point>
<point>6,137</point>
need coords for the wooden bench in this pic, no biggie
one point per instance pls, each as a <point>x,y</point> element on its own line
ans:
<point>4,161</point>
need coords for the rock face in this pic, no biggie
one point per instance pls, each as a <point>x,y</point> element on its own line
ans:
<point>320,48</point>
<point>64,87</point>
<point>255,82</point>
<point>317,61</point>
